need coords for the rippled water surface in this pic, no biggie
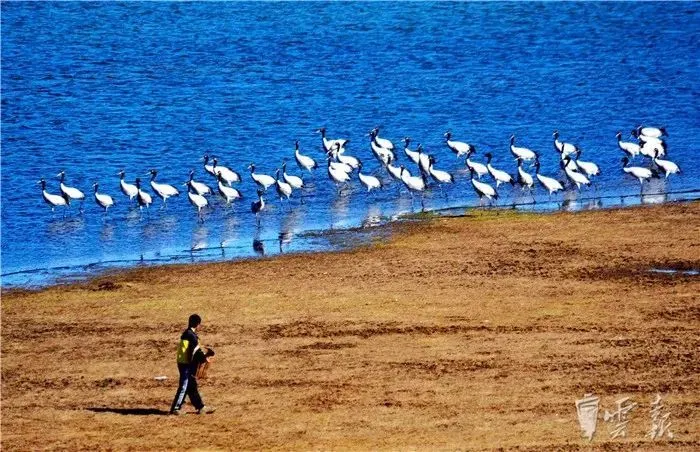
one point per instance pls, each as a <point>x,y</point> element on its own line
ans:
<point>92,88</point>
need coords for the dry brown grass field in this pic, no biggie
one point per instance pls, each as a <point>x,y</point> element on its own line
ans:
<point>468,333</point>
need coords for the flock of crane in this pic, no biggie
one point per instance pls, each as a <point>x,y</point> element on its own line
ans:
<point>340,167</point>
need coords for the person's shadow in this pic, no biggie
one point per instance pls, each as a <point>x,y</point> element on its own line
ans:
<point>130,411</point>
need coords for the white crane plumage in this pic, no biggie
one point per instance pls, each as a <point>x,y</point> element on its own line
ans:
<point>199,188</point>
<point>648,146</point>
<point>296,182</point>
<point>482,189</point>
<point>563,148</point>
<point>198,201</point>
<point>284,190</point>
<point>629,148</point>
<point>143,198</point>
<point>343,162</point>
<point>228,193</point>
<point>652,132</point>
<point>352,162</point>
<point>458,147</point>
<point>394,171</point>
<point>128,189</point>
<point>667,166</point>
<point>70,193</point>
<point>574,176</point>
<point>51,199</point>
<point>304,162</point>
<point>338,166</point>
<point>500,176</point>
<point>336,175</point>
<point>525,179</point>
<point>414,184</point>
<point>102,199</point>
<point>479,168</point>
<point>642,174</point>
<point>519,152</point>
<point>549,183</point>
<point>440,176</point>
<point>263,181</point>
<point>423,160</point>
<point>164,191</point>
<point>382,142</point>
<point>328,144</point>
<point>229,175</point>
<point>369,181</point>
<point>590,169</point>
<point>412,155</point>
<point>208,168</point>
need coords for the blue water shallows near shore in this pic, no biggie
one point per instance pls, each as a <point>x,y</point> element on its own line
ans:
<point>92,88</point>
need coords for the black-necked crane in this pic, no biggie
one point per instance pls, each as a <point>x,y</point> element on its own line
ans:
<point>500,176</point>
<point>413,155</point>
<point>414,184</point>
<point>590,169</point>
<point>305,162</point>
<point>128,189</point>
<point>228,193</point>
<point>521,153</point>
<point>642,174</point>
<point>667,166</point>
<point>336,175</point>
<point>460,148</point>
<point>574,176</point>
<point>257,206</point>
<point>102,199</point>
<point>198,187</point>
<point>143,198</point>
<point>479,168</point>
<point>551,184</point>
<point>70,193</point>
<point>164,191</point>
<point>482,189</point>
<point>263,181</point>
<point>525,179</point>
<point>229,175</point>
<point>629,148</point>
<point>198,201</point>
<point>51,199</point>
<point>563,148</point>
<point>284,190</point>
<point>328,144</point>
<point>369,181</point>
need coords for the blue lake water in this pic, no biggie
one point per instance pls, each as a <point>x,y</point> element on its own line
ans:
<point>92,88</point>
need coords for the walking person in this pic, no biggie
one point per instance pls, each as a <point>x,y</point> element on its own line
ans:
<point>186,364</point>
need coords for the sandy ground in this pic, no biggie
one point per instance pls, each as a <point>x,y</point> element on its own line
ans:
<point>466,333</point>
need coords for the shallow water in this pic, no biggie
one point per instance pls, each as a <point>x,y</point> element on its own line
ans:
<point>97,87</point>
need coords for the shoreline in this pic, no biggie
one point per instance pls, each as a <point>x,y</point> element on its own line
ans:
<point>455,333</point>
<point>69,274</point>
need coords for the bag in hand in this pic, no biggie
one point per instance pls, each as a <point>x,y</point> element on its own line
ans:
<point>202,359</point>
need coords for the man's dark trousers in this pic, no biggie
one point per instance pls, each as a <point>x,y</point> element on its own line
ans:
<point>187,386</point>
